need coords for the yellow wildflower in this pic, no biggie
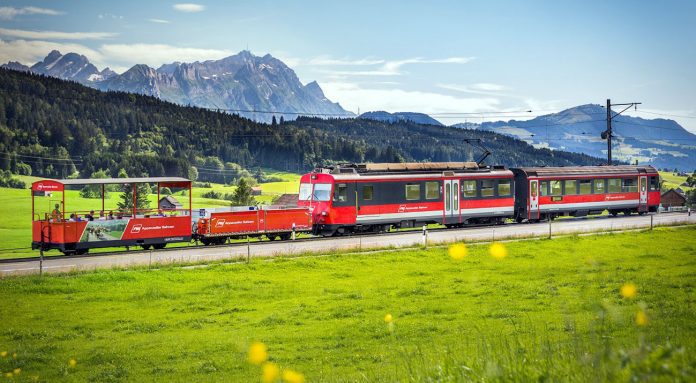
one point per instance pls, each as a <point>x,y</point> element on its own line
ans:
<point>258,353</point>
<point>458,251</point>
<point>14,355</point>
<point>498,250</point>
<point>17,371</point>
<point>290,376</point>
<point>3,354</point>
<point>9,374</point>
<point>72,362</point>
<point>629,290</point>
<point>388,318</point>
<point>641,318</point>
<point>270,372</point>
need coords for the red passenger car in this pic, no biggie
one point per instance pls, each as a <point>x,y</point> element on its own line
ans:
<point>548,192</point>
<point>74,231</point>
<point>377,197</point>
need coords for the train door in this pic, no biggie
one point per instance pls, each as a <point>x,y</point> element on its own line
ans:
<point>643,189</point>
<point>533,199</point>
<point>451,201</point>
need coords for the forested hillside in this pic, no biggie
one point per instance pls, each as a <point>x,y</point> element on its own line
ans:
<point>53,128</point>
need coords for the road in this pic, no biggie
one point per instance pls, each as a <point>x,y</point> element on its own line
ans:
<point>202,254</point>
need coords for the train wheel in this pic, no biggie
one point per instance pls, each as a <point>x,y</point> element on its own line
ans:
<point>146,247</point>
<point>285,237</point>
<point>613,213</point>
<point>627,212</point>
<point>159,246</point>
<point>205,241</point>
<point>271,237</point>
<point>81,251</point>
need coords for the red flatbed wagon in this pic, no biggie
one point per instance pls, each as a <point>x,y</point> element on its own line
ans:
<point>217,227</point>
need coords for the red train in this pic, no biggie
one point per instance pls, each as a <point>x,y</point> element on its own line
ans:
<point>358,198</point>
<point>377,197</point>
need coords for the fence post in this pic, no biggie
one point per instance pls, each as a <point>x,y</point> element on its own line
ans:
<point>149,265</point>
<point>651,221</point>
<point>41,258</point>
<point>248,250</point>
<point>293,231</point>
<point>425,236</point>
<point>549,226</point>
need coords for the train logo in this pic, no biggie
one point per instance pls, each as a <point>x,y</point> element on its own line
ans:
<point>136,229</point>
<point>402,209</point>
<point>220,223</point>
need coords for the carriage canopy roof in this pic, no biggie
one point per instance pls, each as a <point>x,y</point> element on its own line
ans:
<point>57,185</point>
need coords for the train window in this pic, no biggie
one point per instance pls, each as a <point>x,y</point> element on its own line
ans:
<point>614,185</point>
<point>600,186</point>
<point>654,183</point>
<point>322,192</point>
<point>487,188</point>
<point>412,192</point>
<point>305,192</point>
<point>544,188</point>
<point>341,193</point>
<point>585,186</point>
<point>571,187</point>
<point>469,188</point>
<point>504,188</point>
<point>367,192</point>
<point>432,190</point>
<point>447,196</point>
<point>556,187</point>
<point>630,185</point>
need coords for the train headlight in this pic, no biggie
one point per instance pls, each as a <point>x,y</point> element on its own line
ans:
<point>324,213</point>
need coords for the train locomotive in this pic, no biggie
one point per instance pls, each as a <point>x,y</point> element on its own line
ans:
<point>362,198</point>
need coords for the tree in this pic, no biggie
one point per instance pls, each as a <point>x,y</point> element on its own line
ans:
<point>242,195</point>
<point>273,121</point>
<point>94,191</point>
<point>142,191</point>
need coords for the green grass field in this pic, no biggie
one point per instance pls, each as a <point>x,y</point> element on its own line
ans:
<point>672,181</point>
<point>552,310</point>
<point>15,207</point>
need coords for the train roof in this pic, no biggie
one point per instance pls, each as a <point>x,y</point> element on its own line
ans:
<point>585,170</point>
<point>395,168</point>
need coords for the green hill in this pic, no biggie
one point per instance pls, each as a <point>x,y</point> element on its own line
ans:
<point>53,128</point>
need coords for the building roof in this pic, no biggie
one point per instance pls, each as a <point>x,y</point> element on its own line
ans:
<point>674,191</point>
<point>171,200</point>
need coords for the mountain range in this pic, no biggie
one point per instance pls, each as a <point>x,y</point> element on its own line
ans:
<point>244,84</point>
<point>660,142</point>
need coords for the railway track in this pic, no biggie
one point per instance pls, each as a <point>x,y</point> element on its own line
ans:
<point>401,238</point>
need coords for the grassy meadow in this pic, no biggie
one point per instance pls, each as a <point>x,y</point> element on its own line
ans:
<point>15,207</point>
<point>616,307</point>
<point>673,181</point>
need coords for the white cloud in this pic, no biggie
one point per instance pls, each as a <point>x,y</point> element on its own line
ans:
<point>328,61</point>
<point>24,34</point>
<point>118,57</point>
<point>352,96</point>
<point>30,52</point>
<point>390,68</point>
<point>189,7</point>
<point>159,21</point>
<point>8,13</point>
<point>157,54</point>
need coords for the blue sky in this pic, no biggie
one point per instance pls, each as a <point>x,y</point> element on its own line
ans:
<point>433,57</point>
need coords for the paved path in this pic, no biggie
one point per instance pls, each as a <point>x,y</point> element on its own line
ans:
<point>268,249</point>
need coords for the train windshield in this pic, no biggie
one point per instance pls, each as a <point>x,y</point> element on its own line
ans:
<point>322,192</point>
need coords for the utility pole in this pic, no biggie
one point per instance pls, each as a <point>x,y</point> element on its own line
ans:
<point>607,134</point>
